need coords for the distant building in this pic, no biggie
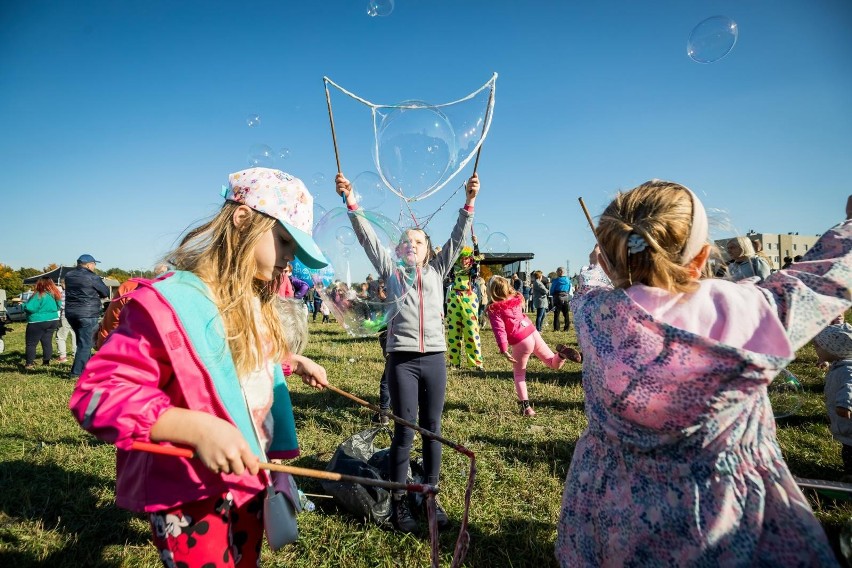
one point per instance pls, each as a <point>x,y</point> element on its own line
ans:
<point>778,245</point>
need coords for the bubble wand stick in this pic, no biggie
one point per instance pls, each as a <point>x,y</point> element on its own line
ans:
<point>333,134</point>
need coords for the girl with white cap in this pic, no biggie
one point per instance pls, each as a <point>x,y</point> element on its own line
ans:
<point>196,361</point>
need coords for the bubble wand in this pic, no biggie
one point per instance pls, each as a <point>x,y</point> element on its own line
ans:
<point>463,540</point>
<point>333,134</point>
<point>165,450</point>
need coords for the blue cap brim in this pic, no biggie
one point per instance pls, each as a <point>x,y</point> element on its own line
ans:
<point>307,250</point>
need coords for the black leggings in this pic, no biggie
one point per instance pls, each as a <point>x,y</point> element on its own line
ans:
<point>40,332</point>
<point>418,386</point>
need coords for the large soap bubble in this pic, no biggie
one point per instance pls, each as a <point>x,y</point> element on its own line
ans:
<point>260,156</point>
<point>712,39</point>
<point>379,8</point>
<point>370,191</point>
<point>416,148</point>
<point>497,242</point>
<point>785,394</point>
<point>362,306</point>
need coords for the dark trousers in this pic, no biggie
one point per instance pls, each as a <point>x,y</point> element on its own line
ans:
<point>384,390</point>
<point>539,317</point>
<point>40,332</point>
<point>84,330</point>
<point>560,306</point>
<point>846,456</point>
<point>418,386</point>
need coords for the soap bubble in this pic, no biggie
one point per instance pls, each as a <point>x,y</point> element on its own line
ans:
<point>318,178</point>
<point>785,394</point>
<point>355,302</point>
<point>379,8</point>
<point>712,39</point>
<point>253,120</point>
<point>283,153</point>
<point>497,242</point>
<point>370,191</point>
<point>481,231</point>
<point>260,156</point>
<point>416,149</point>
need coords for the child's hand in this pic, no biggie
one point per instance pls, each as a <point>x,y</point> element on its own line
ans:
<point>223,449</point>
<point>508,357</point>
<point>471,189</point>
<point>312,373</point>
<point>344,188</point>
<point>843,412</point>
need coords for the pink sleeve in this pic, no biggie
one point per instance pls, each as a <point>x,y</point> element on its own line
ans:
<point>120,394</point>
<point>499,329</point>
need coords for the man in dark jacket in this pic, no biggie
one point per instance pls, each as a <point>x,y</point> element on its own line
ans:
<point>83,293</point>
<point>560,289</point>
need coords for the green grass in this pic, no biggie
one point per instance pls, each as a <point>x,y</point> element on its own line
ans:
<point>56,481</point>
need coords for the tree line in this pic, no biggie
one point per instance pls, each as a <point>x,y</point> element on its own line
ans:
<point>12,280</point>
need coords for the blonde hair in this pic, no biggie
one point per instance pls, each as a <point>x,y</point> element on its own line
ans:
<point>222,255</point>
<point>500,288</point>
<point>660,212</point>
<point>294,322</point>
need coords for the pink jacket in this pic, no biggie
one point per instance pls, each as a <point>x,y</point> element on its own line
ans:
<point>509,323</point>
<point>147,367</point>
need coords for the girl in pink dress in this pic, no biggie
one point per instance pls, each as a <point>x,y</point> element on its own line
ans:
<point>680,465</point>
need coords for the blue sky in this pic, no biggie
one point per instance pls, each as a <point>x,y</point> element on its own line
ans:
<point>122,119</point>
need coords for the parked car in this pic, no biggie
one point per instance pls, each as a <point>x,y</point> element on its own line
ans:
<point>15,310</point>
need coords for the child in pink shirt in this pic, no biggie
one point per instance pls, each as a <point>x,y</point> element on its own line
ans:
<point>511,326</point>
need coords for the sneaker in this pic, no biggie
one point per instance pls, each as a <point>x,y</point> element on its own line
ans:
<point>526,409</point>
<point>63,359</point>
<point>440,515</point>
<point>29,366</point>
<point>569,353</point>
<point>379,418</point>
<point>401,516</point>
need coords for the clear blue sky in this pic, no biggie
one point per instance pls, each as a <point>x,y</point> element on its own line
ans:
<point>121,120</point>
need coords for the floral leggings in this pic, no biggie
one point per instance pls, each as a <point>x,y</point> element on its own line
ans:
<point>210,533</point>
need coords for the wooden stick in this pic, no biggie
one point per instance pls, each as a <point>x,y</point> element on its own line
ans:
<point>484,124</point>
<point>298,471</point>
<point>331,120</point>
<point>588,217</point>
<point>427,433</point>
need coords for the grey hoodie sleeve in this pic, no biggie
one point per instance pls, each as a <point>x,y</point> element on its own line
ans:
<point>451,249</point>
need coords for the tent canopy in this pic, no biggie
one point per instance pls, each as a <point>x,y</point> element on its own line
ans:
<point>59,273</point>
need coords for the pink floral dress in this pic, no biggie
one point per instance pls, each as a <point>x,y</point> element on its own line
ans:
<point>680,465</point>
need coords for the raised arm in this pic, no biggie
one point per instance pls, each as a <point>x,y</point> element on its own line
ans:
<point>450,251</point>
<point>367,238</point>
<point>812,292</point>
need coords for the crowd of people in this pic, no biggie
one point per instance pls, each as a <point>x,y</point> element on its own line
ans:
<point>679,464</point>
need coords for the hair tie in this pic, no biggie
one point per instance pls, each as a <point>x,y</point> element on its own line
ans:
<point>636,244</point>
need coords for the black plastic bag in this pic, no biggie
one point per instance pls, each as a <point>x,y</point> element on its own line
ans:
<point>359,456</point>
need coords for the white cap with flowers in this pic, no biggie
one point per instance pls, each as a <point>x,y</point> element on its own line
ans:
<point>283,197</point>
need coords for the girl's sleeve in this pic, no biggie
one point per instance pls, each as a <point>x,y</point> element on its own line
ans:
<point>450,251</point>
<point>811,293</point>
<point>367,238</point>
<point>843,398</point>
<point>499,329</point>
<point>300,288</point>
<point>120,395</point>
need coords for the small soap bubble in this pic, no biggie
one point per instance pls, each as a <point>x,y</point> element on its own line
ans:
<point>253,120</point>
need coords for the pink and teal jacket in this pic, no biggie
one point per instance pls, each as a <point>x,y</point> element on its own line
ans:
<point>509,323</point>
<point>168,351</point>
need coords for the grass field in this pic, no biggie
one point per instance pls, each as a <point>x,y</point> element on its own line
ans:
<point>56,481</point>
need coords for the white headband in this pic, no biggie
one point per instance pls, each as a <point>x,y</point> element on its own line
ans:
<point>698,230</point>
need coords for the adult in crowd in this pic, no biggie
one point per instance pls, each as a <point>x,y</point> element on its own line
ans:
<point>516,283</point>
<point>42,320</point>
<point>111,314</point>
<point>83,293</point>
<point>560,291</point>
<point>539,299</point>
<point>64,330</point>
<point>292,287</point>
<point>788,262</point>
<point>526,292</point>
<point>758,250</point>
<point>744,263</point>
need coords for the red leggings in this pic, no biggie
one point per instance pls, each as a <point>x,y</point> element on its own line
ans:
<point>210,533</point>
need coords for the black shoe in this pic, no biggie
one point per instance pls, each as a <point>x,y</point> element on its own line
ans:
<point>379,418</point>
<point>441,516</point>
<point>401,516</point>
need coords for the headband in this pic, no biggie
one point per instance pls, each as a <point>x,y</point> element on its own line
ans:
<point>698,230</point>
